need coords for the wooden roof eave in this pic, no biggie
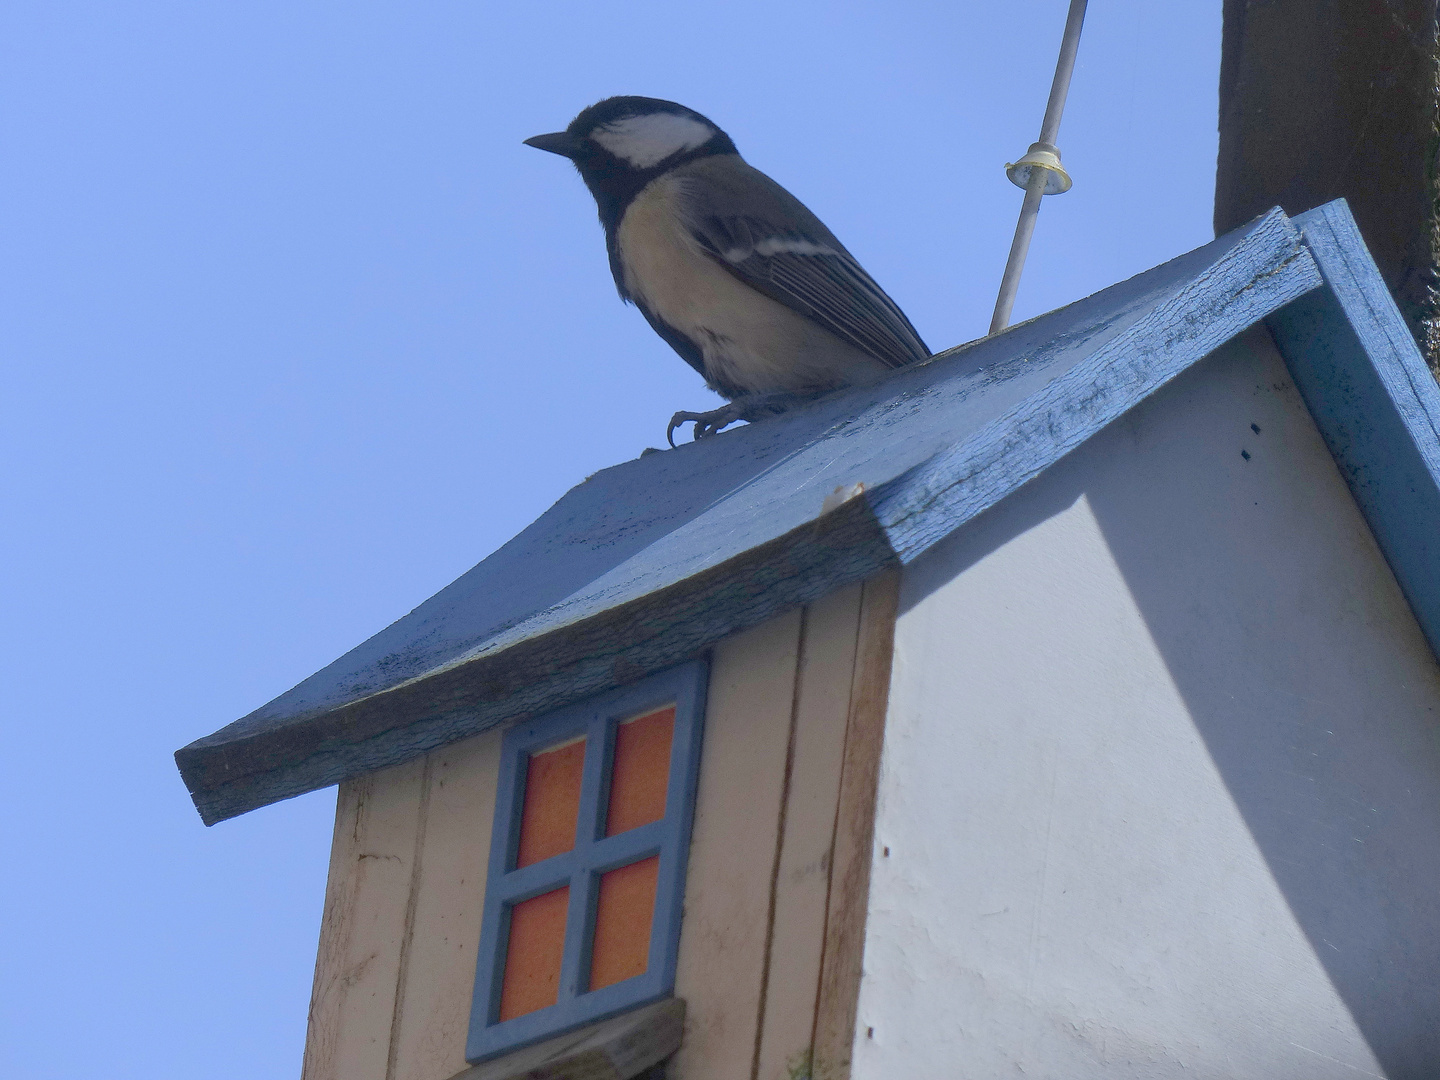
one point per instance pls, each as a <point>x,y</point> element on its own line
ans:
<point>535,675</point>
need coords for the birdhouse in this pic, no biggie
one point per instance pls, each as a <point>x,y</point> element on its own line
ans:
<point>1066,705</point>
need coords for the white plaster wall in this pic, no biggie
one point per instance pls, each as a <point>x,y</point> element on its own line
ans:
<point>1160,794</point>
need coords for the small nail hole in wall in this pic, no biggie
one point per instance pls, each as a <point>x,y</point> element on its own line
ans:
<point>869,1032</point>
<point>887,853</point>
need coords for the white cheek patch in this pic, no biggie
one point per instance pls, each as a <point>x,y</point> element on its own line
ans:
<point>779,245</point>
<point>644,141</point>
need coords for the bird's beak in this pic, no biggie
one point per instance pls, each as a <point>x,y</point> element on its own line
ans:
<point>557,142</point>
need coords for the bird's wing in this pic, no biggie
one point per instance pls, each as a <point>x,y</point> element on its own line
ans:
<point>768,239</point>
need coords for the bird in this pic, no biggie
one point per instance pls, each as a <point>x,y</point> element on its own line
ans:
<point>729,268</point>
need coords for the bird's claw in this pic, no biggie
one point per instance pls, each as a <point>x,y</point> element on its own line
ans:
<point>706,423</point>
<point>751,407</point>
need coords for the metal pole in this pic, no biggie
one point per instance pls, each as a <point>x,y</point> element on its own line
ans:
<point>1039,174</point>
<point>1019,248</point>
<point>1064,68</point>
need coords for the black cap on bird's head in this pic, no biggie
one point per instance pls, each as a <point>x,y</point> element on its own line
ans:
<point>622,143</point>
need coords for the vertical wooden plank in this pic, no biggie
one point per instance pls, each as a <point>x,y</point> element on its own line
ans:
<point>357,968</point>
<point>1320,101</point>
<point>855,829</point>
<point>802,884</point>
<point>723,939</point>
<point>434,1015</point>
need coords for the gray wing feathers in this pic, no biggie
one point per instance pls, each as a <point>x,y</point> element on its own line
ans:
<point>768,239</point>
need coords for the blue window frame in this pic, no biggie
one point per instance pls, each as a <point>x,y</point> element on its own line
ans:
<point>594,854</point>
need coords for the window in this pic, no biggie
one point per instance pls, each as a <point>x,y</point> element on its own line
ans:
<point>587,862</point>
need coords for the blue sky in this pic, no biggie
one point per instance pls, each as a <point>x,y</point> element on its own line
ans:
<point>295,331</point>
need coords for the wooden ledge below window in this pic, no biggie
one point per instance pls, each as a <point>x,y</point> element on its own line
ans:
<point>620,1048</point>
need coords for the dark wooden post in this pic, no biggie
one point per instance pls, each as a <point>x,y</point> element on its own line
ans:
<point>1327,98</point>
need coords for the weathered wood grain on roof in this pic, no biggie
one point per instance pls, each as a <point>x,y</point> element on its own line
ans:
<point>648,563</point>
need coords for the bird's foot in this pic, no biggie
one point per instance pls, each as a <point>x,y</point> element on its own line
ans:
<point>748,408</point>
<point>706,423</point>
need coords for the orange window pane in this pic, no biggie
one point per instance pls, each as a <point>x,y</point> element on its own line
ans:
<point>624,911</point>
<point>532,961</point>
<point>640,775</point>
<point>552,802</point>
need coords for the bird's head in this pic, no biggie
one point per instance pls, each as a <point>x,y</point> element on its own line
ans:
<point>622,143</point>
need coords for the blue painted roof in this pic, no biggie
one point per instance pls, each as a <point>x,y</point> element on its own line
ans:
<point>647,563</point>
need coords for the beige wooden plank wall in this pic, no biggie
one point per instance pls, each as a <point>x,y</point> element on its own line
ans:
<point>770,945</point>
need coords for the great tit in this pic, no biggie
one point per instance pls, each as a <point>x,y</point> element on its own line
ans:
<point>744,282</point>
